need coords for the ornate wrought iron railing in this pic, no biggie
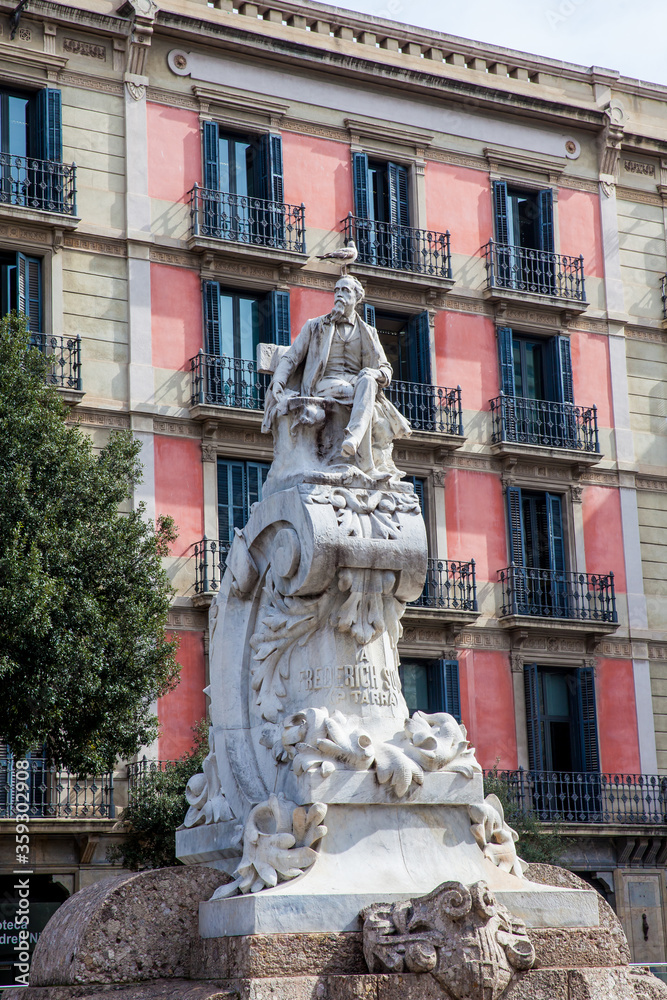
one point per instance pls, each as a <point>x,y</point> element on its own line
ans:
<point>664,296</point>
<point>243,219</point>
<point>584,797</point>
<point>40,184</point>
<point>542,422</point>
<point>53,792</point>
<point>449,585</point>
<point>64,354</point>
<point>548,593</point>
<point>139,769</point>
<point>386,244</point>
<point>428,407</point>
<point>210,555</point>
<point>536,272</point>
<point>223,381</point>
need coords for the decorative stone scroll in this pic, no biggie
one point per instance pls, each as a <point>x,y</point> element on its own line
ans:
<point>468,942</point>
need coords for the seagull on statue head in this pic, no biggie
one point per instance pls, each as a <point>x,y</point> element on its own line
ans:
<point>345,256</point>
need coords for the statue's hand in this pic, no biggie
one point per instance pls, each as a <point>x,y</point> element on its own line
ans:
<point>374,373</point>
<point>278,390</point>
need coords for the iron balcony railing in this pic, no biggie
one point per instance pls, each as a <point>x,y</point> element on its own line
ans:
<point>536,272</point>
<point>223,381</point>
<point>585,797</point>
<point>40,184</point>
<point>545,423</point>
<point>241,218</point>
<point>449,586</point>
<point>549,593</point>
<point>664,296</point>
<point>64,354</point>
<point>387,244</point>
<point>428,407</point>
<point>139,769</point>
<point>210,555</point>
<point>54,792</point>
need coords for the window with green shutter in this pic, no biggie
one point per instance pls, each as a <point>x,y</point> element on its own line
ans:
<point>240,485</point>
<point>431,686</point>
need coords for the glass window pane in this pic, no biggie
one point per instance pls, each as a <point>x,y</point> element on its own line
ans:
<point>17,126</point>
<point>249,328</point>
<point>225,178</point>
<point>241,153</point>
<point>556,700</point>
<point>414,678</point>
<point>227,324</point>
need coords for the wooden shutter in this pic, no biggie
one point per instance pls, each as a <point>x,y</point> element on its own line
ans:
<point>500,211</point>
<point>531,682</point>
<point>232,499</point>
<point>212,335</point>
<point>399,209</point>
<point>515,518</point>
<point>545,204</point>
<point>361,186</point>
<point>449,670</point>
<point>563,361</point>
<point>269,162</point>
<point>506,358</point>
<point>211,156</point>
<point>419,348</point>
<point>29,271</point>
<point>555,532</point>
<point>588,727</point>
<point>369,314</point>
<point>256,477</point>
<point>279,318</point>
<point>49,137</point>
<point>418,486</point>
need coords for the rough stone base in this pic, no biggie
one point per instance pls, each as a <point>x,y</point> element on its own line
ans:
<point>540,984</point>
<point>136,938</point>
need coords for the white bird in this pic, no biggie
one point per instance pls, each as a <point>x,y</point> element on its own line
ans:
<point>346,255</point>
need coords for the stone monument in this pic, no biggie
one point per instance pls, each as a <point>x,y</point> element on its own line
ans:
<point>343,850</point>
<point>321,795</point>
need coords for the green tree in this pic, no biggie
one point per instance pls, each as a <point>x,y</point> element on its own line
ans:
<point>83,596</point>
<point>537,844</point>
<point>156,808</point>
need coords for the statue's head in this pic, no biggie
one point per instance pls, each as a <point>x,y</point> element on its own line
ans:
<point>348,293</point>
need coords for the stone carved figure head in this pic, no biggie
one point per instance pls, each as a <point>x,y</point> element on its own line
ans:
<point>348,293</point>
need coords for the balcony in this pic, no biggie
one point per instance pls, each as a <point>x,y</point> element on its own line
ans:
<point>431,409</point>
<point>560,431</point>
<point>64,356</point>
<point>587,797</point>
<point>417,255</point>
<point>31,185</point>
<point>258,228</point>
<point>210,556</point>
<point>585,601</point>
<point>536,277</point>
<point>54,793</point>
<point>449,597</point>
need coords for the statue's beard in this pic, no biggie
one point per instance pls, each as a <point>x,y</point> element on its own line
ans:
<point>338,312</point>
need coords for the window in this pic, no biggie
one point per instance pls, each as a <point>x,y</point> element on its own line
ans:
<point>37,782</point>
<point>239,487</point>
<point>31,151</point>
<point>382,212</point>
<point>561,721</point>
<point>243,181</point>
<point>536,378</point>
<point>537,552</point>
<point>431,686</point>
<point>21,287</point>
<point>234,323</point>
<point>524,224</point>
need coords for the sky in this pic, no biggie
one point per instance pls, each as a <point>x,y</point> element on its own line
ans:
<point>626,35</point>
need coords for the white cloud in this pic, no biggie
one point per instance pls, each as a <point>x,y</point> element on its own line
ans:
<point>628,37</point>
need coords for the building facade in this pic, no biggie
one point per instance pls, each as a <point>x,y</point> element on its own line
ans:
<point>168,176</point>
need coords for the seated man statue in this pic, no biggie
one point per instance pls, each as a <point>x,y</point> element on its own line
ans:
<point>340,357</point>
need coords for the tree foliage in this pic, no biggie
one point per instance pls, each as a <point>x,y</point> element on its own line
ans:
<point>156,808</point>
<point>537,844</point>
<point>83,596</point>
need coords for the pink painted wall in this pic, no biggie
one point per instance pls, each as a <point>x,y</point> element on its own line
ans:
<point>305,303</point>
<point>174,152</point>
<point>580,229</point>
<point>617,717</point>
<point>590,372</point>
<point>179,489</point>
<point>176,316</point>
<point>475,515</point>
<point>489,712</point>
<point>183,707</point>
<point>458,199</point>
<point>467,355</point>
<point>318,172</point>
<point>603,533</point>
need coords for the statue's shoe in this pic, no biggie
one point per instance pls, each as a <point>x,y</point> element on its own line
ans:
<point>349,446</point>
